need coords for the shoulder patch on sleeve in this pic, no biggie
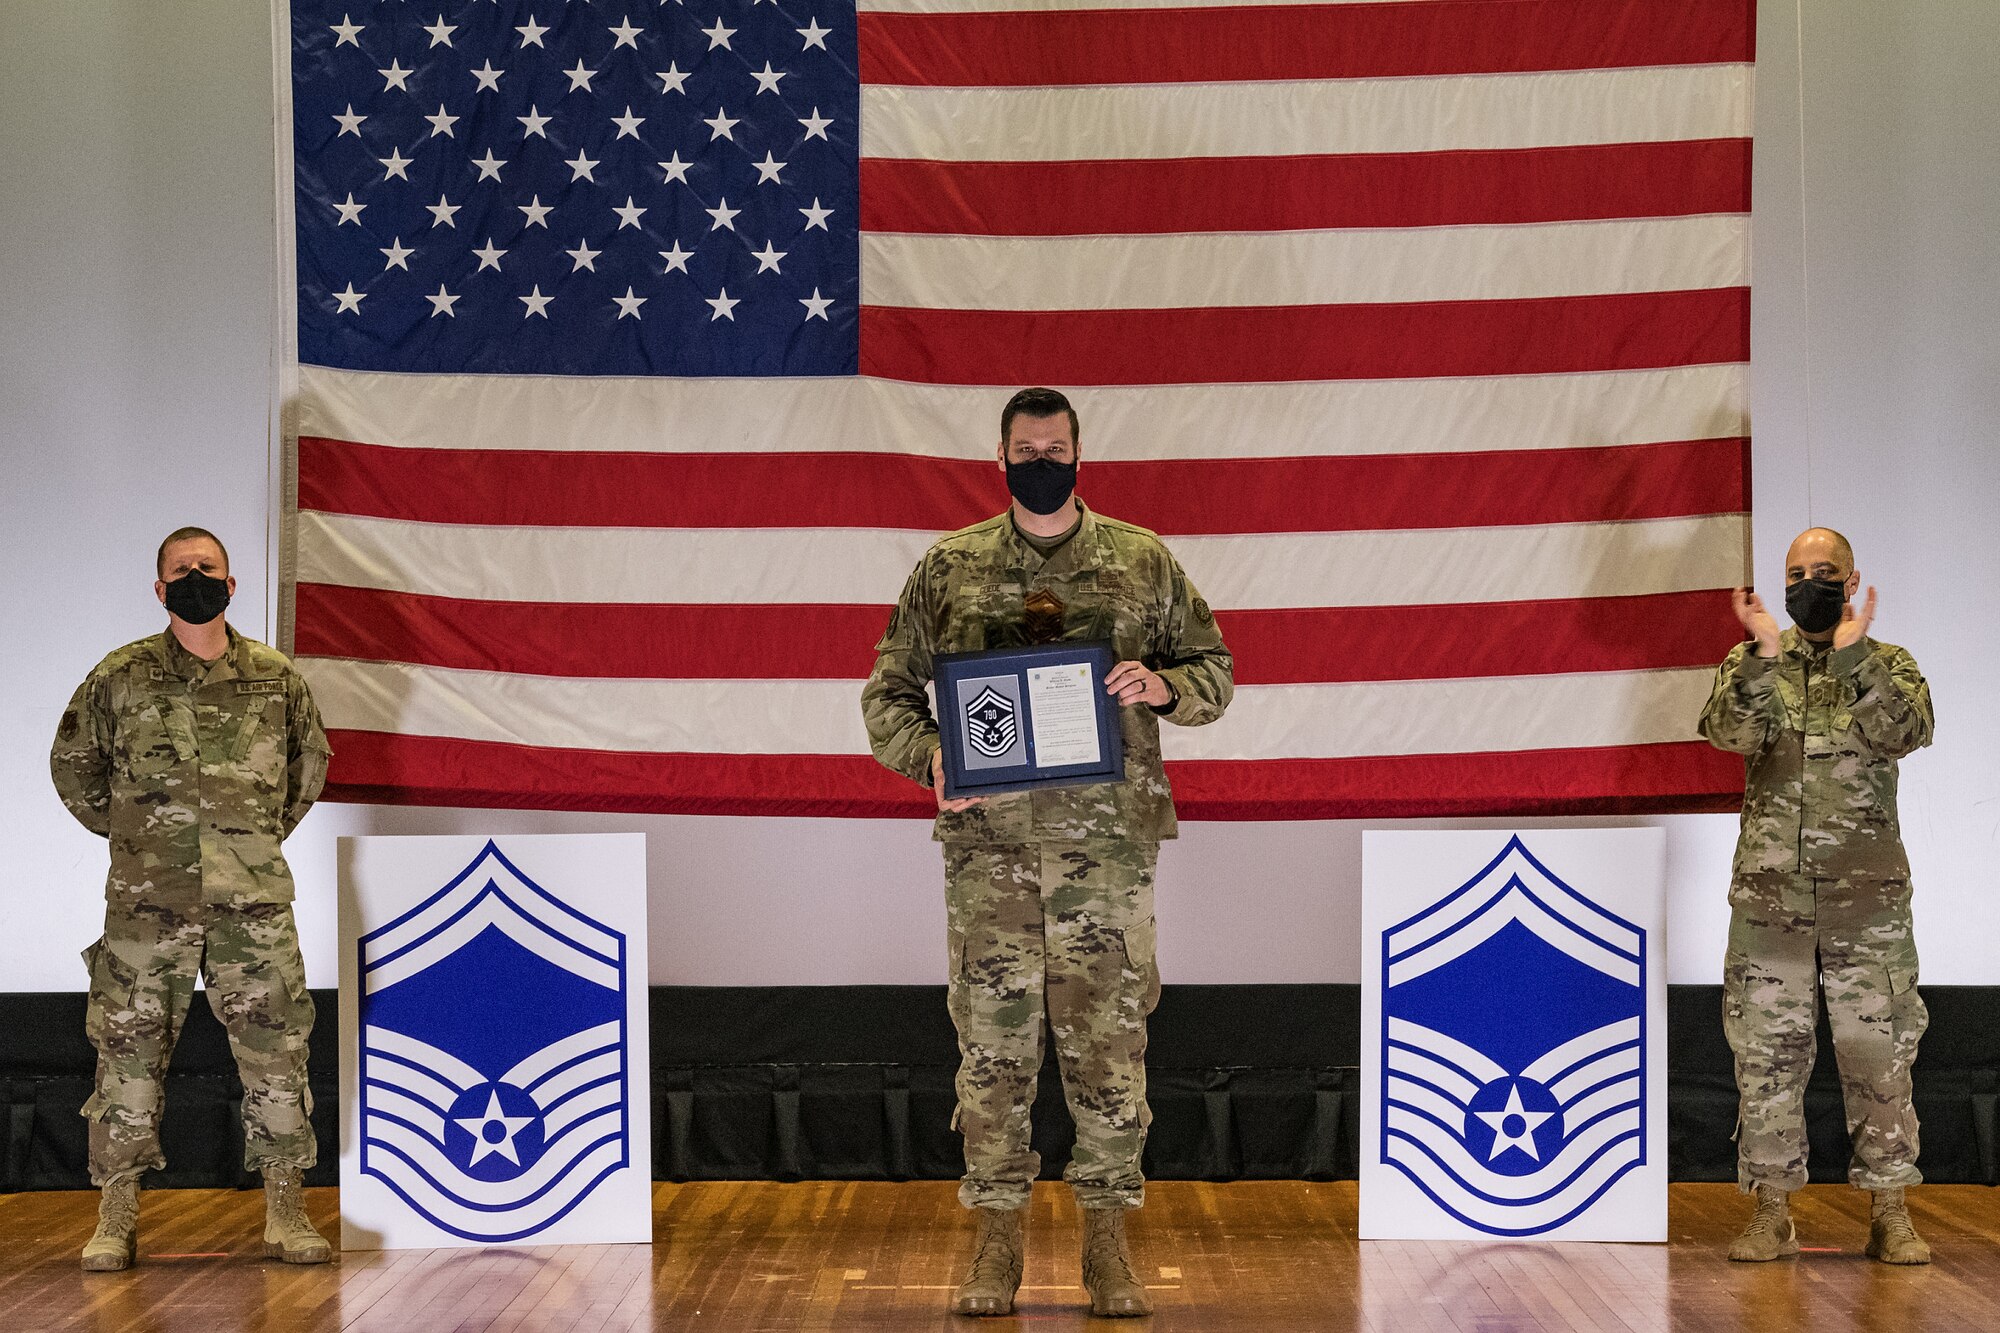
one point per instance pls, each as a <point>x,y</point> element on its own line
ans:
<point>1202,613</point>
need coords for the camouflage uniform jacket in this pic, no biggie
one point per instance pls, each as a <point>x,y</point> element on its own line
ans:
<point>1820,732</point>
<point>1114,581</point>
<point>194,770</point>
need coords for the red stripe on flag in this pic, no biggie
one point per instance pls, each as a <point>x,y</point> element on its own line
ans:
<point>1372,492</point>
<point>427,770</point>
<point>1250,42</point>
<point>820,642</point>
<point>1250,344</point>
<point>1125,197</point>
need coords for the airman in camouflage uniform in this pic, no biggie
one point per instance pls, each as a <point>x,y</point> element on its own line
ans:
<point>1049,892</point>
<point>1820,898</point>
<point>195,752</point>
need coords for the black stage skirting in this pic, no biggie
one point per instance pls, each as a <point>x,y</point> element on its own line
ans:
<point>854,1082</point>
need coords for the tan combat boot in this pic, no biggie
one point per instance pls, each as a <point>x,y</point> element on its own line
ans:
<point>997,1257</point>
<point>1770,1234</point>
<point>1107,1267</point>
<point>288,1234</point>
<point>1891,1238</point>
<point>111,1247</point>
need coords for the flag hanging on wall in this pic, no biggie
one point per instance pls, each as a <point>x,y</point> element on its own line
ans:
<point>642,349</point>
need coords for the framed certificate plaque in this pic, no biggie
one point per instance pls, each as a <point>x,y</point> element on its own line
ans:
<point>1012,719</point>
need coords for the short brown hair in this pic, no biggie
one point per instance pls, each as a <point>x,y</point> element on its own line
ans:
<point>188,535</point>
<point>1039,403</point>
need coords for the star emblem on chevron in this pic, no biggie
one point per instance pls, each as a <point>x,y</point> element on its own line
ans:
<point>1513,1047</point>
<point>494,1088</point>
<point>571,189</point>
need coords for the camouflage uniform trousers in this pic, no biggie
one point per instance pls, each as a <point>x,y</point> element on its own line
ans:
<point>142,975</point>
<point>1791,937</point>
<point>1063,928</point>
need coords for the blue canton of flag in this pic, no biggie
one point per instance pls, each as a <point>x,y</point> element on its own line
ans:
<point>1513,1033</point>
<point>577,188</point>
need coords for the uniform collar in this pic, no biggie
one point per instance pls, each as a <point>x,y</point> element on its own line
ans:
<point>1078,553</point>
<point>184,665</point>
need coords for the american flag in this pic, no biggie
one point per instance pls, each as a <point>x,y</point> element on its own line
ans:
<point>643,348</point>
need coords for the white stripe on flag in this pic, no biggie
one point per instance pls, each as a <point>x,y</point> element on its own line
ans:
<point>1396,115</point>
<point>1495,713</point>
<point>840,415</point>
<point>868,566</point>
<point>1403,264</point>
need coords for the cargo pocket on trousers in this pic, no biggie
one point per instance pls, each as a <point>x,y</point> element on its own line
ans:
<point>1139,946</point>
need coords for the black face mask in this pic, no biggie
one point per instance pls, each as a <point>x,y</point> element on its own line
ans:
<point>1042,484</point>
<point>1814,604</point>
<point>197,598</point>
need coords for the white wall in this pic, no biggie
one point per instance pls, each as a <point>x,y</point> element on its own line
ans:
<point>135,272</point>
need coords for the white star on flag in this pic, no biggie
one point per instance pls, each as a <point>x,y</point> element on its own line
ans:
<point>537,212</point>
<point>442,122</point>
<point>767,258</point>
<point>816,305</point>
<point>489,166</point>
<point>350,123</point>
<point>441,32</point>
<point>676,258</point>
<point>724,305</point>
<point>816,124</point>
<point>349,211</point>
<point>629,303</point>
<point>584,256</point>
<point>629,215</point>
<point>816,216</point>
<point>531,33</point>
<point>626,34</point>
<point>537,303</point>
<point>580,167</point>
<point>768,169</point>
<point>489,257</point>
<point>345,32</point>
<point>724,216</point>
<point>676,169</point>
<point>443,211</point>
<point>442,303</point>
<point>672,79</point>
<point>533,122</point>
<point>395,164</point>
<point>814,35</point>
<point>767,78</point>
<point>395,76</point>
<point>350,300</point>
<point>579,77</point>
<point>719,35</point>
<point>489,77</point>
<point>628,124</point>
<point>720,125</point>
<point>398,256</point>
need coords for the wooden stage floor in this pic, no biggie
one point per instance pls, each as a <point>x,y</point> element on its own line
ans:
<point>1257,1256</point>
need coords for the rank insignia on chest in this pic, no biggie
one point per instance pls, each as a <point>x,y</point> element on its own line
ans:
<point>1042,616</point>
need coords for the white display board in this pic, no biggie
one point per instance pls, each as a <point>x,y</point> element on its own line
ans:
<point>493,1041</point>
<point>1513,1035</point>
